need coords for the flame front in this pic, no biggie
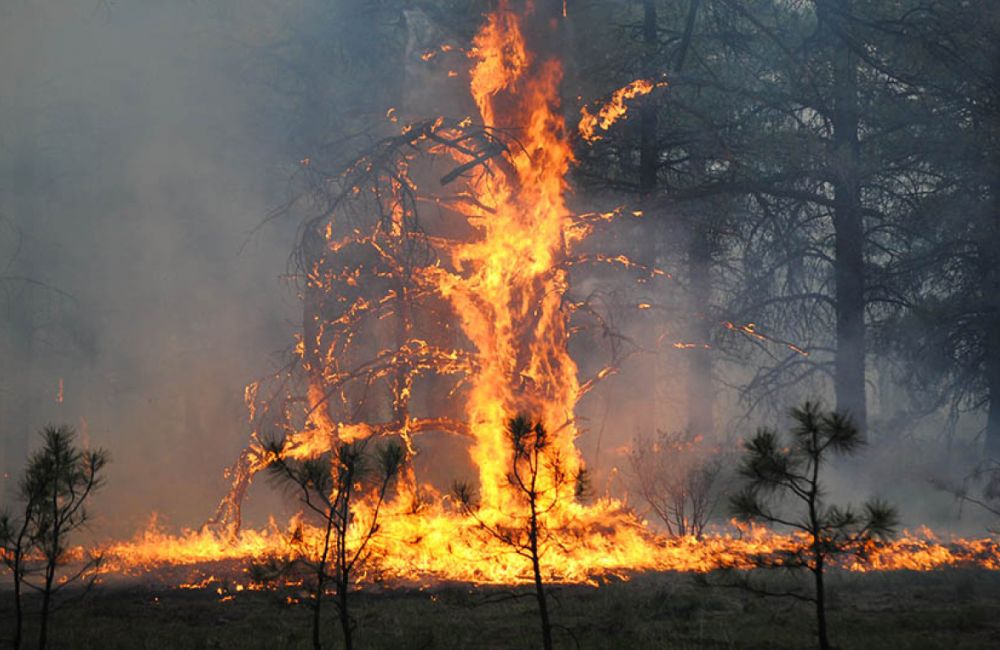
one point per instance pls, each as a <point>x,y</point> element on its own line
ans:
<point>503,283</point>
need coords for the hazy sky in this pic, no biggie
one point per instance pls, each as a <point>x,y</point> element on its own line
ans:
<point>133,167</point>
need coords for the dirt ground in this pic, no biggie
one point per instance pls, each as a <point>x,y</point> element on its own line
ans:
<point>943,609</point>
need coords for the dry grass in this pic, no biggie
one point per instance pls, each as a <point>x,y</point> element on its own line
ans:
<point>947,609</point>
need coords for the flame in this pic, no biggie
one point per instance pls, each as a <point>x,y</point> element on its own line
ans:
<point>504,285</point>
<point>603,541</point>
<point>613,110</point>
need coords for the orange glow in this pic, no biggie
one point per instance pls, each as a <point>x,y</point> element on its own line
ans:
<point>606,541</point>
<point>613,110</point>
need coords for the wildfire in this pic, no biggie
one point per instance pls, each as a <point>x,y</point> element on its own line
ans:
<point>477,309</point>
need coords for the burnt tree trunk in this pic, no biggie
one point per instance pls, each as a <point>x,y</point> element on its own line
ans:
<point>849,238</point>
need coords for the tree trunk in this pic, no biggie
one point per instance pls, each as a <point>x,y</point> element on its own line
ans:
<point>849,271</point>
<point>700,403</point>
<point>700,393</point>
<point>321,583</point>
<point>317,644</point>
<point>824,642</point>
<point>18,575</point>
<point>991,294</point>
<point>345,617</point>
<point>991,290</point>
<point>543,608</point>
<point>50,571</point>
<point>18,611</point>
<point>649,121</point>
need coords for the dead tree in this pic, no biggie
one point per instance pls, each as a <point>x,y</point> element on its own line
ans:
<point>680,479</point>
<point>368,263</point>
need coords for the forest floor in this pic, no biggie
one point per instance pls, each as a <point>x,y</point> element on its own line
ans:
<point>897,610</point>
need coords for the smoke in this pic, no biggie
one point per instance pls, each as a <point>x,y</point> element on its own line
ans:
<point>135,168</point>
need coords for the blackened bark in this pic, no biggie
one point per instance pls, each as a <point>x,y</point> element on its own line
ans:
<point>544,28</point>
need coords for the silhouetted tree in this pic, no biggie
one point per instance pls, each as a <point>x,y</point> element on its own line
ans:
<point>57,481</point>
<point>781,471</point>
<point>330,486</point>
<point>537,474</point>
<point>15,542</point>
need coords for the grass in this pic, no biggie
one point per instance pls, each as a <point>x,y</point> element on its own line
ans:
<point>951,609</point>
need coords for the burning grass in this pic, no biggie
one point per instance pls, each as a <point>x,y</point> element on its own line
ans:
<point>412,551</point>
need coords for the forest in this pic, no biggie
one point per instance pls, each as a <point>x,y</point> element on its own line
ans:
<point>500,324</point>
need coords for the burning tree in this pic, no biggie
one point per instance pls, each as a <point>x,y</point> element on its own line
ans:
<point>776,469</point>
<point>435,278</point>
